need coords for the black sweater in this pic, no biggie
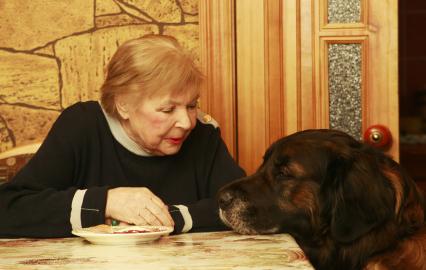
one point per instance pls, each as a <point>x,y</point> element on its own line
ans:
<point>80,152</point>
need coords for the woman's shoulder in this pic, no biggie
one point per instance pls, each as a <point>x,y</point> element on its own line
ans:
<point>83,107</point>
<point>206,130</point>
<point>80,114</point>
<point>206,125</point>
<point>79,121</point>
<point>207,120</point>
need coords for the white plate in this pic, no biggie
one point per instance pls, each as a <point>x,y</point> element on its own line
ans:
<point>118,236</point>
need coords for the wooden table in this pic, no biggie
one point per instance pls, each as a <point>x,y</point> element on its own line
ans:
<point>206,251</point>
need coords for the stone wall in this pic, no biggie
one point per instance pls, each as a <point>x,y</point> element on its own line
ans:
<point>53,53</point>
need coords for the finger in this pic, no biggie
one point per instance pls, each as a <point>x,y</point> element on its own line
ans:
<point>145,217</point>
<point>157,201</point>
<point>158,208</point>
<point>151,219</point>
<point>140,219</point>
<point>108,221</point>
<point>160,213</point>
<point>123,223</point>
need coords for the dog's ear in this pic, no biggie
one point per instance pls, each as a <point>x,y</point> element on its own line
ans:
<point>268,153</point>
<point>361,198</point>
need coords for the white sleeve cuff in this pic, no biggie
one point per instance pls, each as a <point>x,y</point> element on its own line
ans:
<point>187,219</point>
<point>77,202</point>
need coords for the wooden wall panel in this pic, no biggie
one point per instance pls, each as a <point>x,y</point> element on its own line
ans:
<point>260,78</point>
<point>251,87</point>
<point>274,70</point>
<point>217,57</point>
<point>382,69</point>
<point>291,66</point>
<point>308,59</point>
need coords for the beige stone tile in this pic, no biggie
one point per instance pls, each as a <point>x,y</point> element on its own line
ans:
<point>27,124</point>
<point>6,140</point>
<point>106,7</point>
<point>116,20</point>
<point>29,79</point>
<point>84,58</point>
<point>190,18</point>
<point>188,36</point>
<point>26,25</point>
<point>47,50</point>
<point>190,6</point>
<point>165,11</point>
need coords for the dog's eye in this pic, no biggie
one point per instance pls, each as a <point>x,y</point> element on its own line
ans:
<point>280,175</point>
<point>284,174</point>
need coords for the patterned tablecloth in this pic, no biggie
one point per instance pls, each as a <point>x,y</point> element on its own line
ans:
<point>206,251</point>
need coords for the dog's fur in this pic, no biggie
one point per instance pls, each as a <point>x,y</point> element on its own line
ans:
<point>348,205</point>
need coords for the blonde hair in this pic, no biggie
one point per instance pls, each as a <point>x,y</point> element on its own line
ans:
<point>147,66</point>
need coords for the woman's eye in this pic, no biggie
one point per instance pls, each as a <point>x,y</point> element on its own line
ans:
<point>192,106</point>
<point>167,110</point>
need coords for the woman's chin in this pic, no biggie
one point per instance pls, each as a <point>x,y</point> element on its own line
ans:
<point>167,151</point>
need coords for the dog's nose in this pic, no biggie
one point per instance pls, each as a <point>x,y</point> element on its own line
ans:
<point>225,199</point>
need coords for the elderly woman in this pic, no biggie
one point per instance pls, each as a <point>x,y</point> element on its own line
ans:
<point>143,156</point>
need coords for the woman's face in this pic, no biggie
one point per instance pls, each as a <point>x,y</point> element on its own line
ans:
<point>160,124</point>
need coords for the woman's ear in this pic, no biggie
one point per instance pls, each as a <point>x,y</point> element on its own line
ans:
<point>122,107</point>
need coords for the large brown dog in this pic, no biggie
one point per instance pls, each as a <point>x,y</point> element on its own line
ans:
<point>347,205</point>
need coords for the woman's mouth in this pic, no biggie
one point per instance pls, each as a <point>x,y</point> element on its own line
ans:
<point>175,141</point>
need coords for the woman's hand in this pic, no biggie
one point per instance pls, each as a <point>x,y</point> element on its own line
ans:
<point>137,205</point>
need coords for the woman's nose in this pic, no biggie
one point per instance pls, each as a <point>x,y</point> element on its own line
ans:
<point>184,120</point>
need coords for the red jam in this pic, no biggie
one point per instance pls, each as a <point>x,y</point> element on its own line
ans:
<point>134,231</point>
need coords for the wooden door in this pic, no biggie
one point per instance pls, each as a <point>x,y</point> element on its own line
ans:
<point>298,64</point>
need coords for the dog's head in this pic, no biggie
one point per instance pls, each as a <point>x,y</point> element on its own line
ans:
<point>321,183</point>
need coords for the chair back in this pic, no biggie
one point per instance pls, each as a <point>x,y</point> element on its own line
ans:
<point>13,160</point>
